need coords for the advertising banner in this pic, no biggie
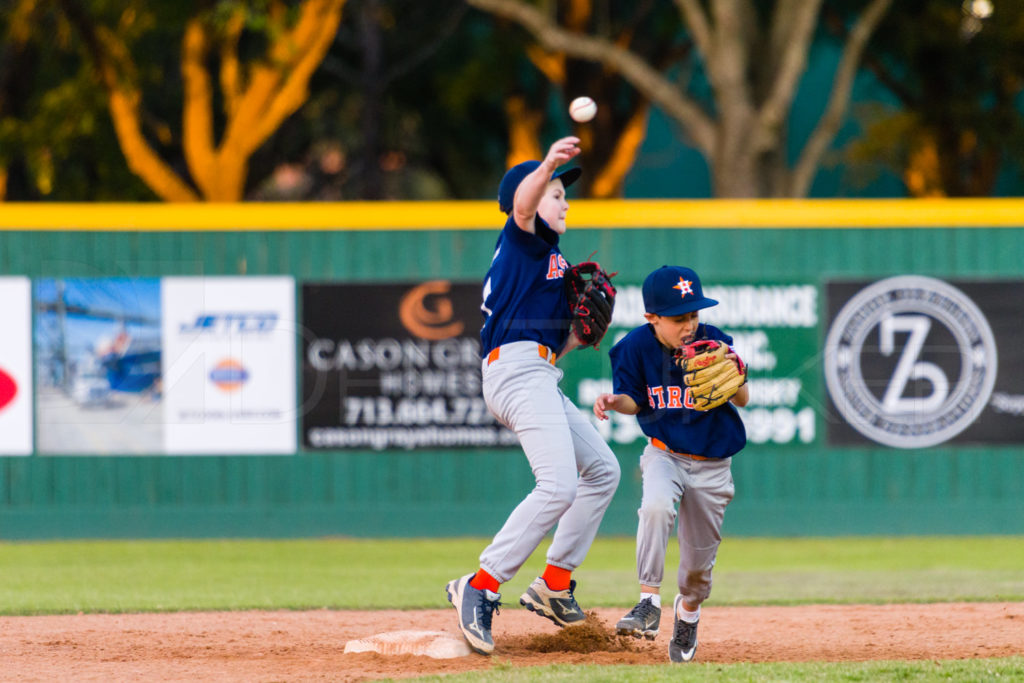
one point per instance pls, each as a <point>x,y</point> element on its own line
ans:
<point>394,366</point>
<point>97,346</point>
<point>775,330</point>
<point>228,370</point>
<point>914,361</point>
<point>16,366</point>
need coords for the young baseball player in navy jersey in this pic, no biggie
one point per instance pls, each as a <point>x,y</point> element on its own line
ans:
<point>526,327</point>
<point>686,464</point>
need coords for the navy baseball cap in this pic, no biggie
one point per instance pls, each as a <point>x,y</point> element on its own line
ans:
<point>674,290</point>
<point>514,176</point>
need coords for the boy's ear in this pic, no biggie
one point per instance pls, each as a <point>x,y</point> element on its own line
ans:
<point>651,317</point>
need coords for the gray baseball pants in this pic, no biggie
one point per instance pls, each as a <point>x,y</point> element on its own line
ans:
<point>575,470</point>
<point>700,490</point>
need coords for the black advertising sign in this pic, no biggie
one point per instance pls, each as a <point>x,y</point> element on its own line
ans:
<point>394,366</point>
<point>914,361</point>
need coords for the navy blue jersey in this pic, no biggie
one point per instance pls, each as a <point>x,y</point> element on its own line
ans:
<point>643,369</point>
<point>524,295</point>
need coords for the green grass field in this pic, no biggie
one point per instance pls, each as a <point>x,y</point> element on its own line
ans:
<point>133,576</point>
<point>964,671</point>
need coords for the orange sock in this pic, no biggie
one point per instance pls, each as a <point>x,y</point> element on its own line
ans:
<point>484,581</point>
<point>556,578</point>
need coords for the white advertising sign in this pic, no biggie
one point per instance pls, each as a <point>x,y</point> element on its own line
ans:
<point>229,365</point>
<point>15,366</point>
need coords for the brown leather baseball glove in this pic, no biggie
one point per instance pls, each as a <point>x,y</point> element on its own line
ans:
<point>712,378</point>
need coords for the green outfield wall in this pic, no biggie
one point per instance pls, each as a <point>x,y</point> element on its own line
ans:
<point>804,484</point>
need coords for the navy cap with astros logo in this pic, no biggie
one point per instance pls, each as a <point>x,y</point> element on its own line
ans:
<point>674,290</point>
<point>516,174</point>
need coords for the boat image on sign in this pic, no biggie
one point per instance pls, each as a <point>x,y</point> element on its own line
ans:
<point>98,351</point>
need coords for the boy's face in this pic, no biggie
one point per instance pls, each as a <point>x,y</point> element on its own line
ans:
<point>553,206</point>
<point>676,330</point>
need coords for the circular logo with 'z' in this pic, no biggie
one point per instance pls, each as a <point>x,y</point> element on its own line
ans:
<point>910,361</point>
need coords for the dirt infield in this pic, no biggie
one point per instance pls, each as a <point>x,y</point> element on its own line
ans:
<point>308,646</point>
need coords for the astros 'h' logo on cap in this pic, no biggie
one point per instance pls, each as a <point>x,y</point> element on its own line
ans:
<point>684,286</point>
<point>660,287</point>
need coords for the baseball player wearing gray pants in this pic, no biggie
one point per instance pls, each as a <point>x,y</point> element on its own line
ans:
<point>527,323</point>
<point>521,389</point>
<point>687,462</point>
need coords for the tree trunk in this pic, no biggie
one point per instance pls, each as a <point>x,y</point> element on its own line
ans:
<point>753,73</point>
<point>373,64</point>
<point>256,105</point>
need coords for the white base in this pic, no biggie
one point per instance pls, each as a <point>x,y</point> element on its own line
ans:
<point>436,644</point>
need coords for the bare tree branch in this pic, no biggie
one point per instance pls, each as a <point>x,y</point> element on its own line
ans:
<point>791,66</point>
<point>230,66</point>
<point>699,27</point>
<point>276,87</point>
<point>653,85</point>
<point>307,43</point>
<point>753,74</point>
<point>609,180</point>
<point>824,133</point>
<point>728,65</point>
<point>110,58</point>
<point>197,108</point>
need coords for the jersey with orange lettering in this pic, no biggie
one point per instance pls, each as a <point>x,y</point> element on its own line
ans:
<point>645,370</point>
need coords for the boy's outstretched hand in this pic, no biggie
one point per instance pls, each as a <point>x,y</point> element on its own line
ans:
<point>620,403</point>
<point>562,151</point>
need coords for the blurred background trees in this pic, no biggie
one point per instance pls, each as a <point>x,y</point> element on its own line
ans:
<point>56,139</point>
<point>731,94</point>
<point>403,99</point>
<point>956,75</point>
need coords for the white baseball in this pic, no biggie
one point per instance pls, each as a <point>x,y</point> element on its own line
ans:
<point>582,109</point>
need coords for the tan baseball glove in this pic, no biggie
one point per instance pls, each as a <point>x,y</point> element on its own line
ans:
<point>712,378</point>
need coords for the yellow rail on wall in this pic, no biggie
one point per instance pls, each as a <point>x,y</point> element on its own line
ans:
<point>484,215</point>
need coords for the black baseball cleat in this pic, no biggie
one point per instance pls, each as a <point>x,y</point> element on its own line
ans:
<point>558,606</point>
<point>475,608</point>
<point>641,621</point>
<point>683,645</point>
